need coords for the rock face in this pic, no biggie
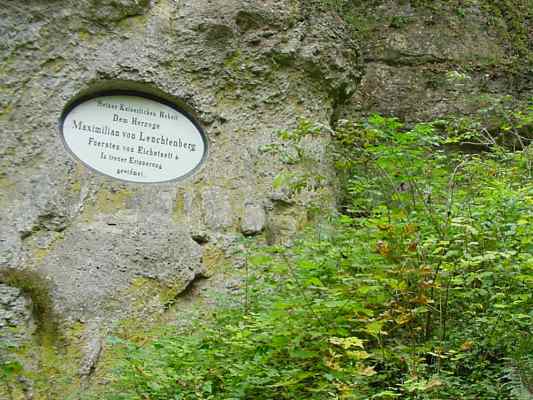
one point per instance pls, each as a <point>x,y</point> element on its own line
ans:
<point>244,68</point>
<point>425,60</point>
<point>253,220</point>
<point>16,321</point>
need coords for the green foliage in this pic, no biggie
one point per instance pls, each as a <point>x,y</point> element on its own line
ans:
<point>10,369</point>
<point>420,289</point>
<point>295,149</point>
<point>511,18</point>
<point>500,123</point>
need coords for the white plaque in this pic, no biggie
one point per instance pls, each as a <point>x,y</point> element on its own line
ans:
<point>134,137</point>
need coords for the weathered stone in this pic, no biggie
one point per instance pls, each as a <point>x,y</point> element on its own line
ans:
<point>16,322</point>
<point>199,236</point>
<point>284,223</point>
<point>218,213</point>
<point>10,246</point>
<point>424,63</point>
<point>253,220</point>
<point>282,194</point>
<point>244,68</point>
<point>91,350</point>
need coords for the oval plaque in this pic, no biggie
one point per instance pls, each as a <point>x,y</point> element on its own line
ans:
<point>133,137</point>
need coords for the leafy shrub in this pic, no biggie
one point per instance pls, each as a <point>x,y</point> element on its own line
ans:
<point>420,289</point>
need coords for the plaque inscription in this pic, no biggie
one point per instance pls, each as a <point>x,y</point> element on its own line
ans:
<point>134,137</point>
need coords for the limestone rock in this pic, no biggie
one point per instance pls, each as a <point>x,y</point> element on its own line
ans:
<point>217,208</point>
<point>253,220</point>
<point>244,68</point>
<point>423,63</point>
<point>16,321</point>
<point>92,349</point>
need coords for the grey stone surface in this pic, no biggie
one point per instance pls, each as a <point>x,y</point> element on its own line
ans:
<point>218,213</point>
<point>92,349</point>
<point>253,220</point>
<point>16,321</point>
<point>245,68</point>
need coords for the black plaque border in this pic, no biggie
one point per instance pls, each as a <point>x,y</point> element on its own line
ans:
<point>149,96</point>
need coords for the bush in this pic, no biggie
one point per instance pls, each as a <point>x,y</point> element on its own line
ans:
<point>420,289</point>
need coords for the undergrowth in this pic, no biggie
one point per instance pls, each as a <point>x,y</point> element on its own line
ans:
<point>421,288</point>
